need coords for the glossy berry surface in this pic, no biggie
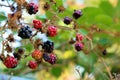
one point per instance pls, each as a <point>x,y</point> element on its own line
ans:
<point>10,62</point>
<point>37,54</point>
<point>32,8</point>
<point>32,64</point>
<point>79,37</point>
<point>48,46</point>
<point>77,14</point>
<point>52,31</point>
<point>46,57</point>
<point>53,58</point>
<point>79,46</point>
<point>25,32</point>
<point>67,20</point>
<point>37,24</point>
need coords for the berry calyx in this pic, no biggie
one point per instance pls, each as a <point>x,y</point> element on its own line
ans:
<point>53,59</point>
<point>48,46</point>
<point>52,31</point>
<point>32,64</point>
<point>25,32</point>
<point>46,57</point>
<point>32,8</point>
<point>37,24</point>
<point>77,14</point>
<point>67,20</point>
<point>10,62</point>
<point>79,46</point>
<point>79,37</point>
<point>37,54</point>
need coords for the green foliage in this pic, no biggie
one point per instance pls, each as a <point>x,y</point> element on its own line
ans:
<point>2,16</point>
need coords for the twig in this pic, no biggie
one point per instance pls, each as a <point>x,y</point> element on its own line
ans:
<point>4,5</point>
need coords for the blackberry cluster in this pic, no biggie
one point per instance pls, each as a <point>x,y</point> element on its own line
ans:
<point>25,32</point>
<point>48,46</point>
<point>32,8</point>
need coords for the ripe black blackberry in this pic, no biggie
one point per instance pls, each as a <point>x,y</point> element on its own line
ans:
<point>32,8</point>
<point>67,20</point>
<point>48,46</point>
<point>46,57</point>
<point>104,52</point>
<point>77,14</point>
<point>25,32</point>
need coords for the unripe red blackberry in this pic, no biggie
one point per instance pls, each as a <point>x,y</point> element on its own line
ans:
<point>77,14</point>
<point>32,8</point>
<point>53,59</point>
<point>79,37</point>
<point>67,20</point>
<point>79,46</point>
<point>10,62</point>
<point>32,64</point>
<point>25,32</point>
<point>37,54</point>
<point>37,24</point>
<point>48,46</point>
<point>52,31</point>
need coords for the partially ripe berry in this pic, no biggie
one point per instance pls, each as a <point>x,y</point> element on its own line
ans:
<point>32,64</point>
<point>32,8</point>
<point>46,57</point>
<point>67,20</point>
<point>37,24</point>
<point>37,54</point>
<point>52,31</point>
<point>79,46</point>
<point>10,62</point>
<point>77,14</point>
<point>79,37</point>
<point>53,59</point>
<point>48,46</point>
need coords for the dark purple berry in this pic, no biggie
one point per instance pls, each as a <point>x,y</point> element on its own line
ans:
<point>77,14</point>
<point>67,20</point>
<point>53,58</point>
<point>48,46</point>
<point>79,46</point>
<point>46,57</point>
<point>32,8</point>
<point>104,52</point>
<point>25,32</point>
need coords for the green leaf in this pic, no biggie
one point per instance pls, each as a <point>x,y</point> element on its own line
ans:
<point>2,16</point>
<point>88,16</point>
<point>103,19</point>
<point>107,8</point>
<point>56,71</point>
